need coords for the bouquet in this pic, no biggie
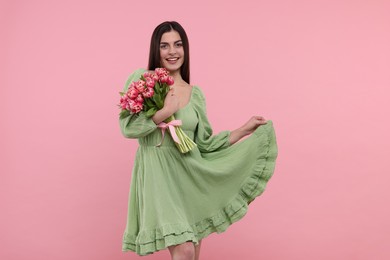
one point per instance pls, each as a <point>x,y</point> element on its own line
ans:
<point>148,94</point>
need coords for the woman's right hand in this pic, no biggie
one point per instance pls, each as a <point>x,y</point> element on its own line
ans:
<point>171,105</point>
<point>171,102</point>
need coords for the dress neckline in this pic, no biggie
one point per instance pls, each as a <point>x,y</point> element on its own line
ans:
<point>189,102</point>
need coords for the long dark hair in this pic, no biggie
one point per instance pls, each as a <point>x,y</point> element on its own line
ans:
<point>154,52</point>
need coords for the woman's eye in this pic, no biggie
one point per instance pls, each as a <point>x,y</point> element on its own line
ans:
<point>163,46</point>
<point>179,44</point>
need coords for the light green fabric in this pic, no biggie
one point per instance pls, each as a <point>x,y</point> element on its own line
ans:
<point>177,197</point>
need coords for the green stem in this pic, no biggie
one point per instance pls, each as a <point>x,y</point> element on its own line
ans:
<point>169,119</point>
<point>186,144</point>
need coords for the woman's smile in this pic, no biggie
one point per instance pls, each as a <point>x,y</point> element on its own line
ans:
<point>172,60</point>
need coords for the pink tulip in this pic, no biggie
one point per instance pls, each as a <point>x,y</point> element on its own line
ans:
<point>133,93</point>
<point>124,101</point>
<point>135,107</point>
<point>129,105</point>
<point>150,82</point>
<point>164,79</point>
<point>148,93</point>
<point>139,99</point>
<point>147,74</point>
<point>140,86</point>
<point>161,72</point>
<point>170,80</point>
<point>154,76</point>
<point>133,84</point>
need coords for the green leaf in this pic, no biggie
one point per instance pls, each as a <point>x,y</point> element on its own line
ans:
<point>157,87</point>
<point>149,102</point>
<point>165,92</point>
<point>155,97</point>
<point>124,113</point>
<point>158,100</point>
<point>151,112</point>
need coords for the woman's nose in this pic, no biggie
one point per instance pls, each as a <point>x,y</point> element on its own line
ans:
<point>172,50</point>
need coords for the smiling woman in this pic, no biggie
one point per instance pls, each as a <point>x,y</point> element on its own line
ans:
<point>177,199</point>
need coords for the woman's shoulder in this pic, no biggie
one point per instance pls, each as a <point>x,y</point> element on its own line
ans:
<point>136,74</point>
<point>198,95</point>
<point>197,90</point>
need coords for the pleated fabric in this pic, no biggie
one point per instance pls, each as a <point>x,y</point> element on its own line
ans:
<point>177,197</point>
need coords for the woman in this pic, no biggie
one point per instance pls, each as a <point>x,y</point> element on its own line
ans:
<point>177,199</point>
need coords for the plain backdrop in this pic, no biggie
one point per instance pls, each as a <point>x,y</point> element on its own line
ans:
<point>318,69</point>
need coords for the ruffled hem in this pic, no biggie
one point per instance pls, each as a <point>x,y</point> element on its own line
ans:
<point>150,241</point>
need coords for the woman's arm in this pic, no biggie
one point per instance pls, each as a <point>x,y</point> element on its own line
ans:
<point>248,128</point>
<point>161,115</point>
<point>171,105</point>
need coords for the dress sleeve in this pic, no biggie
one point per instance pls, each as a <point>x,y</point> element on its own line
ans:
<point>204,138</point>
<point>136,125</point>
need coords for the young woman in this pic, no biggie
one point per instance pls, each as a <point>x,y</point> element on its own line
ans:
<point>177,199</point>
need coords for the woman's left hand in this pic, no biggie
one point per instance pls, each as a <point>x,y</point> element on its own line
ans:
<point>247,129</point>
<point>253,123</point>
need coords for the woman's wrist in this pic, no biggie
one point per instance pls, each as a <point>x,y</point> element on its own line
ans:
<point>237,134</point>
<point>161,115</point>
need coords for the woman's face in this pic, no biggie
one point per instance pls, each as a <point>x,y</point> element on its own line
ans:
<point>171,51</point>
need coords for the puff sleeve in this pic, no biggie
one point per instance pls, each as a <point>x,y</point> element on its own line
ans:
<point>136,125</point>
<point>204,138</point>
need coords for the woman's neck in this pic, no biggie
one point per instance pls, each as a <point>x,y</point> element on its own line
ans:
<point>177,77</point>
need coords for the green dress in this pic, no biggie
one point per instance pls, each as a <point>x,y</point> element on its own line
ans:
<point>177,197</point>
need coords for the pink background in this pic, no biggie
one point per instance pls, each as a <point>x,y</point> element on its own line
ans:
<point>318,69</point>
